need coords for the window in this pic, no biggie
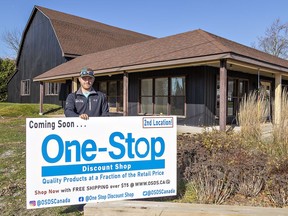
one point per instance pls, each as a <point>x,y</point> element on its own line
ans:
<point>52,88</point>
<point>177,95</point>
<point>146,96</point>
<point>163,96</point>
<point>265,88</point>
<point>114,92</point>
<point>25,87</point>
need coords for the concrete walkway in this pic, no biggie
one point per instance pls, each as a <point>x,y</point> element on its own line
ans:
<point>266,129</point>
<point>193,129</point>
<point>148,208</point>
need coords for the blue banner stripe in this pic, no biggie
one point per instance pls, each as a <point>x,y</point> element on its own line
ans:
<point>102,167</point>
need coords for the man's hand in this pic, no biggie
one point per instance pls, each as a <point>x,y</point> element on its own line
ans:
<point>84,116</point>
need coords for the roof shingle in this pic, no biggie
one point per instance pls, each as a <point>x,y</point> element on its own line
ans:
<point>79,36</point>
<point>191,44</point>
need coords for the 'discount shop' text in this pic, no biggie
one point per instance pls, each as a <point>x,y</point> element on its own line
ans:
<point>120,146</point>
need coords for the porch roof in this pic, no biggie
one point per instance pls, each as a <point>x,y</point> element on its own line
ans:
<point>190,48</point>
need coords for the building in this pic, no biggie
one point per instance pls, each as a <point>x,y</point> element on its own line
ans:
<point>196,75</point>
<point>51,38</point>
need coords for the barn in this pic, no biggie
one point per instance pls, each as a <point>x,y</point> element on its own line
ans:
<point>51,38</point>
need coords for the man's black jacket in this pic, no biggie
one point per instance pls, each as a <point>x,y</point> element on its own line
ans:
<point>94,105</point>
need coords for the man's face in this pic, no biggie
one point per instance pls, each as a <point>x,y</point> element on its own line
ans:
<point>86,82</point>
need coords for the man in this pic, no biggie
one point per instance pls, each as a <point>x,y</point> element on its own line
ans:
<point>86,102</point>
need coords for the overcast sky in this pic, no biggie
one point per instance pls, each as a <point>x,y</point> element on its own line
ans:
<point>242,21</point>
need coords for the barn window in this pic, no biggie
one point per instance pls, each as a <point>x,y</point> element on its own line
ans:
<point>163,96</point>
<point>52,88</point>
<point>25,87</point>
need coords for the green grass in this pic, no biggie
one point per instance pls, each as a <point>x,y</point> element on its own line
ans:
<point>13,160</point>
<point>27,110</point>
<point>12,130</point>
<point>13,117</point>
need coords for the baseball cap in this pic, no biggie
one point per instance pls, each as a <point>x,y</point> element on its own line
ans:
<point>86,72</point>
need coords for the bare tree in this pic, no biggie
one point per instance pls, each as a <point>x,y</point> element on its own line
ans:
<point>12,40</point>
<point>275,41</point>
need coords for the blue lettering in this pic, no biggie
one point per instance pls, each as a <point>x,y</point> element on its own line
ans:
<point>45,146</point>
<point>153,147</point>
<point>130,141</point>
<point>156,146</point>
<point>142,139</point>
<point>116,145</point>
<point>75,151</point>
<point>84,151</point>
<point>69,144</point>
<point>86,148</point>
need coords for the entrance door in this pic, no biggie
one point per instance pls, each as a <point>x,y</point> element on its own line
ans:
<point>236,89</point>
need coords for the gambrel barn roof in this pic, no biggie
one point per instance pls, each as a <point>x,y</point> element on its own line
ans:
<point>78,36</point>
<point>177,50</point>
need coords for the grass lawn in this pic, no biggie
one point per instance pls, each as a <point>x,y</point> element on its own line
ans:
<point>13,160</point>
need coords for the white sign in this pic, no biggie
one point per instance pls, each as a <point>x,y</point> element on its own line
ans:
<point>72,161</point>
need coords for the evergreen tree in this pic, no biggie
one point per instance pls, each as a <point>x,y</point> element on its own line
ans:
<point>7,68</point>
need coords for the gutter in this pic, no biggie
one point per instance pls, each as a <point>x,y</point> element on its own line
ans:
<point>195,61</point>
<point>255,64</point>
<point>146,67</point>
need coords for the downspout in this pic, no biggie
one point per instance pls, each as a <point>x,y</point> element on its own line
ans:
<point>41,95</point>
<point>125,93</point>
<point>258,72</point>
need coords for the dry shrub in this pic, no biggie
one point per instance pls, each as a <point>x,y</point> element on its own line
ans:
<point>279,148</point>
<point>190,194</point>
<point>212,183</point>
<point>190,152</point>
<point>215,140</point>
<point>277,184</point>
<point>277,179</point>
<point>207,168</point>
<point>217,166</point>
<point>253,112</point>
<point>203,169</point>
<point>252,170</point>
